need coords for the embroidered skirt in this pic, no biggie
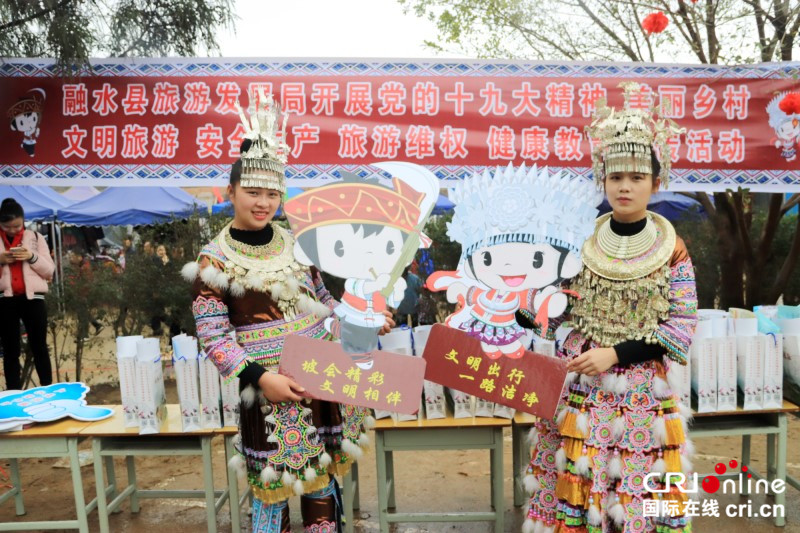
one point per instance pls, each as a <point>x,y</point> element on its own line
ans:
<point>587,472</point>
<point>492,334</point>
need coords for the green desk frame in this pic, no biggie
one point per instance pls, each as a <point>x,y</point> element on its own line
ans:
<point>773,423</point>
<point>446,434</point>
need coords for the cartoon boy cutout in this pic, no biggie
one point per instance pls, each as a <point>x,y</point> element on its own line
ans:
<point>521,232</point>
<point>26,116</point>
<point>365,233</point>
<point>784,118</point>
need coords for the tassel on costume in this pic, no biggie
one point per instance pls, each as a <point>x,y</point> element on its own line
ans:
<point>248,395</point>
<point>325,460</point>
<point>618,427</point>
<point>237,289</point>
<point>674,430</point>
<point>351,449</point>
<point>528,526</point>
<point>310,474</point>
<point>190,271</point>
<point>593,516</point>
<point>238,465</point>
<point>531,484</point>
<point>369,422</point>
<point>287,478</point>
<point>660,388</point>
<point>660,431</point>
<point>298,487</point>
<point>582,465</point>
<point>561,460</point>
<point>269,475</point>
<point>615,467</point>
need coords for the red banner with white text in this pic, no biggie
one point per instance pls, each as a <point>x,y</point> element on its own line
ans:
<point>174,122</point>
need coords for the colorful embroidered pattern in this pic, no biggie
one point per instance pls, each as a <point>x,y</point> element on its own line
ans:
<point>292,432</point>
<point>321,527</point>
<point>211,317</point>
<point>267,518</point>
<point>676,333</point>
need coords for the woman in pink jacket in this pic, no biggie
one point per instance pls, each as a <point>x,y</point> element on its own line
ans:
<point>25,269</point>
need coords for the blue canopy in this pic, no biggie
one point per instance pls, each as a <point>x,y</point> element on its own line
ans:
<point>227,207</point>
<point>443,205</point>
<point>670,205</point>
<point>119,206</point>
<point>35,205</point>
<point>51,197</point>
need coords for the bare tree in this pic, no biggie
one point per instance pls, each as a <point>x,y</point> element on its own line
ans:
<point>704,31</point>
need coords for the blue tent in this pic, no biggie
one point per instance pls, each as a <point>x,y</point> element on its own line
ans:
<point>670,205</point>
<point>119,206</point>
<point>35,205</point>
<point>443,205</point>
<point>54,199</point>
<point>227,207</point>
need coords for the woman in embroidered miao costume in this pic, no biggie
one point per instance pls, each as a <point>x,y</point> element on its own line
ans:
<point>619,421</point>
<point>249,293</point>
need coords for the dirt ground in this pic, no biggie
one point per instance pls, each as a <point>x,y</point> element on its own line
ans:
<point>426,481</point>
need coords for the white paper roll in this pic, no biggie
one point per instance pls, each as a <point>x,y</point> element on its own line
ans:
<point>184,347</point>
<point>703,330</point>
<point>789,326</point>
<point>126,346</point>
<point>745,327</point>
<point>719,327</point>
<point>148,349</point>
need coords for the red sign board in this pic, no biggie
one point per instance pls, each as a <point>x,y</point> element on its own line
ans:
<point>392,383</point>
<point>532,383</point>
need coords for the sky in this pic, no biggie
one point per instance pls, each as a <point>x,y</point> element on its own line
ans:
<point>328,28</point>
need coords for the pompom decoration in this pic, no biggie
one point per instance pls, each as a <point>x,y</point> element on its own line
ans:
<point>790,104</point>
<point>655,22</point>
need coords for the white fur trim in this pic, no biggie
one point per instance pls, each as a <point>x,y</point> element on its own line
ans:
<point>561,416</point>
<point>221,281</point>
<point>587,381</point>
<point>582,424</point>
<point>252,280</point>
<point>237,289</point>
<point>190,271</point>
<point>582,465</point>
<point>310,474</point>
<point>287,478</point>
<point>269,475</point>
<point>320,309</point>
<point>672,380</point>
<point>533,436</point>
<point>276,290</point>
<point>369,421</point>
<point>617,513</point>
<point>531,484</point>
<point>622,384</point>
<point>685,411</point>
<point>351,449</point>
<point>208,275</point>
<point>248,396</point>
<point>305,411</point>
<point>618,427</point>
<point>659,467</point>
<point>561,459</point>
<point>528,526</point>
<point>689,449</point>
<point>363,440</point>
<point>615,468</point>
<point>550,529</point>
<point>571,377</point>
<point>594,517</point>
<point>238,465</point>
<point>298,488</point>
<point>686,464</point>
<point>660,430</point>
<point>324,460</point>
<point>660,388</point>
<point>304,303</point>
<point>538,527</point>
<point>609,382</point>
<point>292,285</point>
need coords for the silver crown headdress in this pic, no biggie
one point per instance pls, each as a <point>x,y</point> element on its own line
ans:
<point>624,139</point>
<point>519,205</point>
<point>264,162</point>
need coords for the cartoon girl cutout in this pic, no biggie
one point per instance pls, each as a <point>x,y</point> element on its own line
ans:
<point>365,233</point>
<point>26,116</point>
<point>521,233</point>
<point>784,119</point>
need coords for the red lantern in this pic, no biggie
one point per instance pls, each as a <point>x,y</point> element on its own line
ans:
<point>655,22</point>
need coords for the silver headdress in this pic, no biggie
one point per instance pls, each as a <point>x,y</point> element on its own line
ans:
<point>264,162</point>
<point>623,140</point>
<point>523,205</point>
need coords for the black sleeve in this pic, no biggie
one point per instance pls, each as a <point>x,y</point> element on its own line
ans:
<point>524,318</point>
<point>250,375</point>
<point>630,352</point>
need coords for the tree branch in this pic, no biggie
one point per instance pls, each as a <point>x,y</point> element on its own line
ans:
<point>790,203</point>
<point>789,264</point>
<point>33,16</point>
<point>608,31</point>
<point>744,234</point>
<point>694,37</point>
<point>770,226</point>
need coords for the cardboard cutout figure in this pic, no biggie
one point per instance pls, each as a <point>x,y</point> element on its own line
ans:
<point>367,234</point>
<point>45,404</point>
<point>26,116</point>
<point>521,232</point>
<point>784,118</point>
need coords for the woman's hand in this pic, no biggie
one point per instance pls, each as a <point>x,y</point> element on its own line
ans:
<point>389,324</point>
<point>21,253</point>
<point>279,388</point>
<point>6,258</point>
<point>593,362</point>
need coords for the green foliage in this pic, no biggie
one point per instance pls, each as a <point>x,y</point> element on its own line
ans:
<point>74,30</point>
<point>700,237</point>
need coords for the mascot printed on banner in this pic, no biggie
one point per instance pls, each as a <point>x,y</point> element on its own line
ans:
<point>365,233</point>
<point>26,116</point>
<point>784,118</point>
<point>521,233</point>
